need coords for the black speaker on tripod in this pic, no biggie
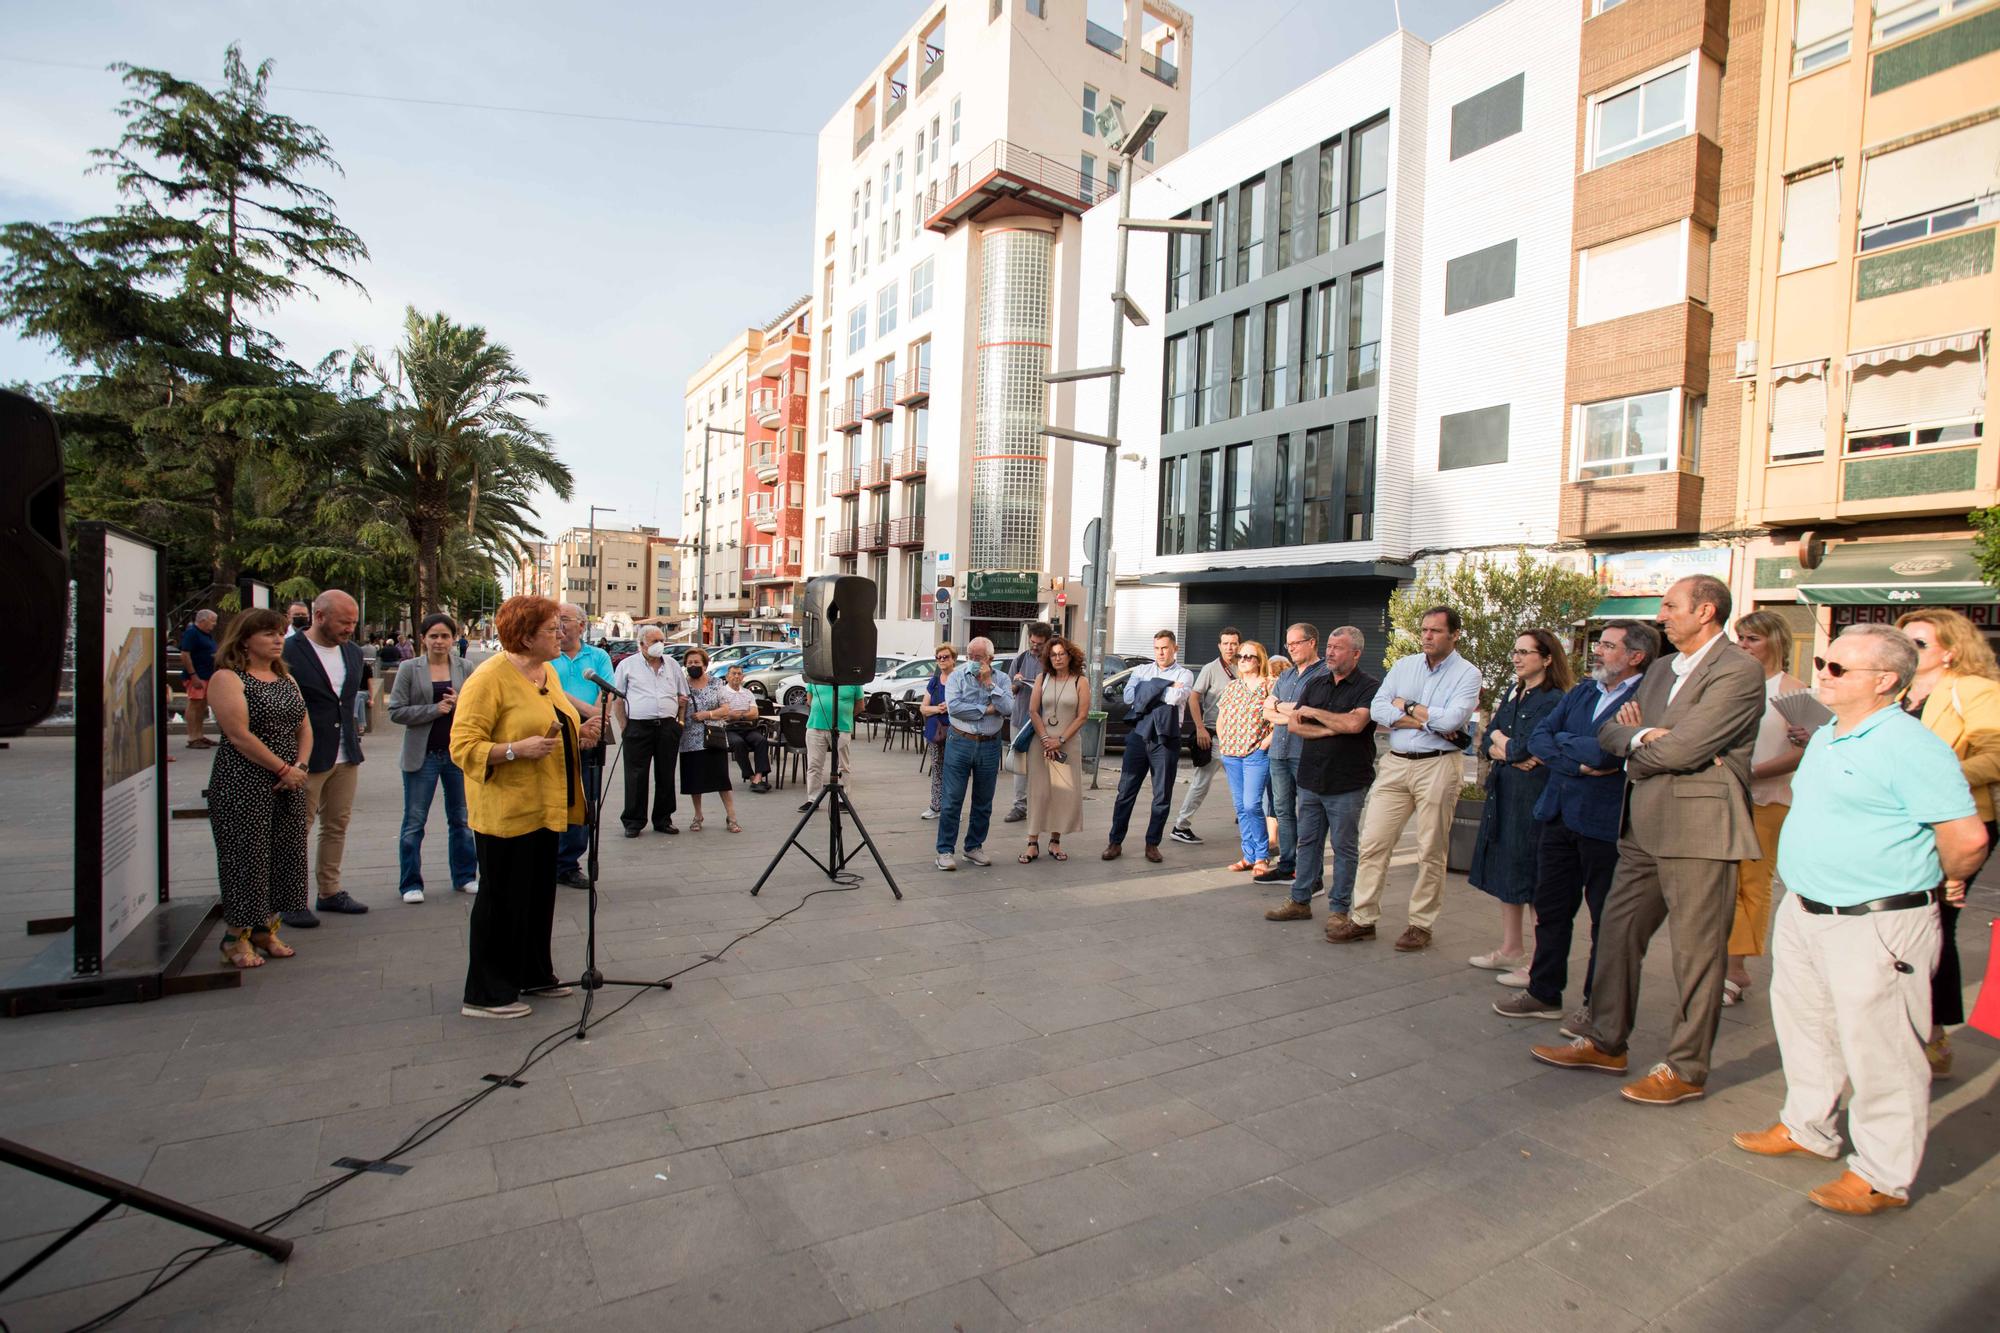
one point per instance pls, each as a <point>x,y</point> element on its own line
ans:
<point>34,552</point>
<point>837,629</point>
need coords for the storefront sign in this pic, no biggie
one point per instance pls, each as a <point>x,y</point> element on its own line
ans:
<point>1651,573</point>
<point>1986,616</point>
<point>1003,587</point>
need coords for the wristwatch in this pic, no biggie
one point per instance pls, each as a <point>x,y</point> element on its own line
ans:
<point>510,754</point>
<point>1409,707</point>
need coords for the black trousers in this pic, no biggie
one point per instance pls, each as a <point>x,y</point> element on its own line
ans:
<point>1158,760</point>
<point>650,748</point>
<point>1571,870</point>
<point>512,918</point>
<point>746,742</point>
<point>1948,982</point>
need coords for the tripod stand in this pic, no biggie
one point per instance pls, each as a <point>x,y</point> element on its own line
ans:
<point>592,980</point>
<point>834,797</point>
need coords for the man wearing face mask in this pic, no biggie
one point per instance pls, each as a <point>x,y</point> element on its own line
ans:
<point>301,617</point>
<point>573,659</point>
<point>650,718</point>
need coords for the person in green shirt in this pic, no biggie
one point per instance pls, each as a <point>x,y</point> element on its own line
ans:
<point>830,719</point>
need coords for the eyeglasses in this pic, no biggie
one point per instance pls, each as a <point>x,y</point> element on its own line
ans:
<point>1526,652</point>
<point>1836,670</point>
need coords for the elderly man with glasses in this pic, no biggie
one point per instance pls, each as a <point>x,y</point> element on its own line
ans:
<point>1882,828</point>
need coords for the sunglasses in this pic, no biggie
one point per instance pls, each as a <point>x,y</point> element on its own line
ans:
<point>1246,657</point>
<point>1836,670</point>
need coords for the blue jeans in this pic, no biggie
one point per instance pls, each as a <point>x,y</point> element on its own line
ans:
<point>1318,816</point>
<point>977,763</point>
<point>575,839</point>
<point>1285,798</point>
<point>1157,759</point>
<point>418,787</point>
<point>1247,778</point>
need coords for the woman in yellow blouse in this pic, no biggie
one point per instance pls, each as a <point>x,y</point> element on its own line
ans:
<point>1957,694</point>
<point>517,738</point>
<point>1242,738</point>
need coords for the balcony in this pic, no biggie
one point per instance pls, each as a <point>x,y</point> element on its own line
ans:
<point>1104,39</point>
<point>764,460</point>
<point>847,415</point>
<point>933,66</point>
<point>881,403</point>
<point>846,481</point>
<point>910,462</point>
<point>840,542</point>
<point>1003,172</point>
<point>907,531</point>
<point>764,519</point>
<point>875,475</point>
<point>873,536</point>
<point>767,405</point>
<point>913,387</point>
<point>1646,505</point>
<point>1160,68</point>
<point>862,140</point>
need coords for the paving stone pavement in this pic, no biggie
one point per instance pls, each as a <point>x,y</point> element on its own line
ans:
<point>1054,1096</point>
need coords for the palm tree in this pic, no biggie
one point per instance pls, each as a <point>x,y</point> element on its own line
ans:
<point>444,434</point>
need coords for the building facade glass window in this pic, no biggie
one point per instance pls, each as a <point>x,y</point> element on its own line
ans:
<point>885,311</point>
<point>921,278</point>
<point>1368,180</point>
<point>1625,436</point>
<point>1364,329</point>
<point>857,328</point>
<point>1250,232</point>
<point>1277,387</point>
<point>1651,111</point>
<point>1236,475</point>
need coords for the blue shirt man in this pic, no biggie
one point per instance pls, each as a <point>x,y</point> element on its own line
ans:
<point>1157,693</point>
<point>573,658</point>
<point>979,710</point>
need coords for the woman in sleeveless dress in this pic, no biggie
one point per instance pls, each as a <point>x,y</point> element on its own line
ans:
<point>1055,760</point>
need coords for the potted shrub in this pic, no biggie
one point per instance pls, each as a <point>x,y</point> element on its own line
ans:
<point>1465,827</point>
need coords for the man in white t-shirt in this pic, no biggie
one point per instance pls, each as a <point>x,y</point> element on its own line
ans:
<point>327,666</point>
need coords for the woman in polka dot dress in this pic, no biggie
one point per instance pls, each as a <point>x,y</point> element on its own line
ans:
<point>256,791</point>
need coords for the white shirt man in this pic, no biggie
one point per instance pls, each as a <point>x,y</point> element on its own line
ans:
<point>655,704</point>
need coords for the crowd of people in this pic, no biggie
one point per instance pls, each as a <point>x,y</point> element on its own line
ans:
<point>1668,787</point>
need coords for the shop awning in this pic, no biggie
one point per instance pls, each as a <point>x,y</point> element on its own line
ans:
<point>1627,608</point>
<point>1898,574</point>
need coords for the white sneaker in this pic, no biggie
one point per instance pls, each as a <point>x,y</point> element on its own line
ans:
<point>469,888</point>
<point>514,1010</point>
<point>928,814</point>
<point>1499,962</point>
<point>413,895</point>
<point>1517,978</point>
<point>946,863</point>
<point>975,857</point>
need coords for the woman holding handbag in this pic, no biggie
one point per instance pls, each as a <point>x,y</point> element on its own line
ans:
<point>1956,693</point>
<point>1503,860</point>
<point>705,742</point>
<point>1055,761</point>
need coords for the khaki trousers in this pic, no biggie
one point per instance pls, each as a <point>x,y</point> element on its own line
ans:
<point>1427,789</point>
<point>330,800</point>
<point>1752,928</point>
<point>1848,1021</point>
<point>819,747</point>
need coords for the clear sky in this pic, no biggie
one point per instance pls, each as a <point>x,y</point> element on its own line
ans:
<point>613,257</point>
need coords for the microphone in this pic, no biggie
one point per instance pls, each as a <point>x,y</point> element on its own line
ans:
<point>603,684</point>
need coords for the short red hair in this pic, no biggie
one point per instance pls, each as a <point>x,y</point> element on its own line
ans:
<point>519,618</point>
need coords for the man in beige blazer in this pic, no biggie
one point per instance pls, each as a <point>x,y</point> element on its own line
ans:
<point>1686,738</point>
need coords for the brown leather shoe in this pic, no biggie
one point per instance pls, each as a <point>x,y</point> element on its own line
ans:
<point>1290,911</point>
<point>1583,1053</point>
<point>1112,852</point>
<point>1777,1141</point>
<point>1153,854</point>
<point>1854,1196</point>
<point>1413,940</point>
<point>1661,1087</point>
<point>1341,929</point>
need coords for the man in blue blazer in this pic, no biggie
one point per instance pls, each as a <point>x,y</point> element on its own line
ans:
<point>325,662</point>
<point>1581,807</point>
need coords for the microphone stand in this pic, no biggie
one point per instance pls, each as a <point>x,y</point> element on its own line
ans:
<point>593,980</point>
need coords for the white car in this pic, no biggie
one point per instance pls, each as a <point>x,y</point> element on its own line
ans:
<point>792,689</point>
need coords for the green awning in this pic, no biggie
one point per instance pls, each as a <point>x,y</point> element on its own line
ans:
<point>1937,573</point>
<point>1627,608</point>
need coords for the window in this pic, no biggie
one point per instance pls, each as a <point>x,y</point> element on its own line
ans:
<point>1208,485</point>
<point>857,328</point>
<point>1627,436</point>
<point>1368,180</point>
<point>1239,362</point>
<point>937,140</point>
<point>1917,403</point>
<point>1089,170</point>
<point>885,310</point>
<point>1206,383</point>
<point>1643,272</point>
<point>1932,186</point>
<point>1329,195</point>
<point>1285,207</point>
<point>954,123</point>
<point>1316,371</point>
<point>1236,504</point>
<point>1364,329</point>
<point>1487,117</point>
<point>1216,245</point>
<point>819,481</point>
<point>1601,6</point>
<point>1812,222</point>
<point>1090,110</point>
<point>899,169</point>
<point>1277,387</point>
<point>1358,491</point>
<point>920,287</point>
<point>1146,153</point>
<point>1111,174</point>
<point>1473,439</point>
<point>1653,111</point>
<point>1798,411</point>
<point>1179,374</point>
<point>913,584</point>
<point>1183,262</point>
<point>1250,232</point>
<point>1173,505</point>
<point>1324,465</point>
<point>896,232</point>
<point>1894,22</point>
<point>917,158</point>
<point>1480,278</point>
<point>1821,34</point>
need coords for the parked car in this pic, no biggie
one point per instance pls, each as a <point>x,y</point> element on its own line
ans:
<point>791,691</point>
<point>1116,723</point>
<point>905,683</point>
<point>730,652</point>
<point>762,677</point>
<point>619,649</point>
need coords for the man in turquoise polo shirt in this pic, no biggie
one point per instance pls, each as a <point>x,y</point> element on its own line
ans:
<point>829,733</point>
<point>573,658</point>
<point>1882,823</point>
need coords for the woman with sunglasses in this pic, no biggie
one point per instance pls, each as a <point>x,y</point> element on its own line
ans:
<point>1510,837</point>
<point>1243,742</point>
<point>1767,638</point>
<point>1955,695</point>
<point>935,725</point>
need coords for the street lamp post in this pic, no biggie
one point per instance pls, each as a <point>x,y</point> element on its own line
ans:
<point>590,604</point>
<point>701,556</point>
<point>1123,308</point>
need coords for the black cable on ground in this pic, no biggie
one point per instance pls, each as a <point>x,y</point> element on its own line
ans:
<point>845,881</point>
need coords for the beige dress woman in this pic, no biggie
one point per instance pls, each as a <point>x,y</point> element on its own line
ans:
<point>1055,791</point>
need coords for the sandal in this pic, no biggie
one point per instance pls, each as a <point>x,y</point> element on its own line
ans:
<point>1260,868</point>
<point>735,827</point>
<point>1239,867</point>
<point>237,950</point>
<point>1056,853</point>
<point>1029,855</point>
<point>1732,994</point>
<point>696,826</point>
<point>265,939</point>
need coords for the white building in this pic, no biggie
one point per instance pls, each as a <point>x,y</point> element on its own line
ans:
<point>712,451</point>
<point>950,185</point>
<point>1363,366</point>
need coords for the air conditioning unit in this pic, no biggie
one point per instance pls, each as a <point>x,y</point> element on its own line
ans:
<point>1746,359</point>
